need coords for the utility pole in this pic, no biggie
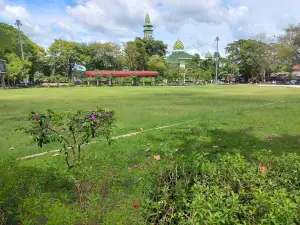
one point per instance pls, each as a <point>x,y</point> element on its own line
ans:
<point>18,23</point>
<point>217,59</point>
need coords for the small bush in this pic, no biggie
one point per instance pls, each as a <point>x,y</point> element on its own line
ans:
<point>72,130</point>
<point>229,190</point>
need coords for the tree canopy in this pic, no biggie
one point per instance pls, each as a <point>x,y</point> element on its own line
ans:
<point>254,58</point>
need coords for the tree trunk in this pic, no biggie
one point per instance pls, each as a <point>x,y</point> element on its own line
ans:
<point>264,76</point>
<point>70,72</point>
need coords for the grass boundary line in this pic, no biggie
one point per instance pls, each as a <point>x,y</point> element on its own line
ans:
<point>129,134</point>
<point>114,138</point>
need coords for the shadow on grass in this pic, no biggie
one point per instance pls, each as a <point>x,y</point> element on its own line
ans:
<point>23,185</point>
<point>218,141</point>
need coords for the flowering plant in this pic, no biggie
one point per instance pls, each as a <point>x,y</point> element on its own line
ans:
<point>71,129</point>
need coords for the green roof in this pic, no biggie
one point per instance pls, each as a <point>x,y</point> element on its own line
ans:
<point>176,56</point>
<point>178,45</point>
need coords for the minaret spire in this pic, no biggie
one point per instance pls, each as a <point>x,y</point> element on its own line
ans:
<point>148,27</point>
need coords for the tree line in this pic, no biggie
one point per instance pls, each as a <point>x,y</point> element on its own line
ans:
<point>254,58</point>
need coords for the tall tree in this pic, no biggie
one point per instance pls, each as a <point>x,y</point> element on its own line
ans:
<point>155,47</point>
<point>253,58</point>
<point>16,68</point>
<point>9,43</point>
<point>64,55</point>
<point>103,56</point>
<point>136,55</point>
<point>195,62</point>
<point>290,44</point>
<point>157,63</point>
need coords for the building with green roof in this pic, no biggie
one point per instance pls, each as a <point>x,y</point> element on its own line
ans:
<point>179,55</point>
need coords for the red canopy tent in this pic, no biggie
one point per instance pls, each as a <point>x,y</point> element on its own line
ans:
<point>118,73</point>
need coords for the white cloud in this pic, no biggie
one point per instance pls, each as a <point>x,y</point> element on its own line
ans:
<point>238,15</point>
<point>114,18</point>
<point>13,12</point>
<point>64,26</point>
<point>1,5</point>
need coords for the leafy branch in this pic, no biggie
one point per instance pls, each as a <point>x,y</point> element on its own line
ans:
<point>72,130</point>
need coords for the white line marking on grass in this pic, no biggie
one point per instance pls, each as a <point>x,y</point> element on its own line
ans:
<point>94,142</point>
<point>129,135</point>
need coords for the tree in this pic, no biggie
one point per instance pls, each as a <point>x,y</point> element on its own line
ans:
<point>103,56</point>
<point>253,58</point>
<point>173,72</point>
<point>291,39</point>
<point>39,77</point>
<point>195,62</point>
<point>10,43</point>
<point>136,55</point>
<point>16,68</point>
<point>64,55</point>
<point>155,47</point>
<point>157,63</point>
<point>43,65</point>
<point>228,69</point>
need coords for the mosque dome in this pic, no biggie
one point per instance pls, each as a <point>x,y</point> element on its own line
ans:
<point>147,19</point>
<point>178,46</point>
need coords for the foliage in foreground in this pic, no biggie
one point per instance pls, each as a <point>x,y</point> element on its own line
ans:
<point>72,130</point>
<point>228,190</point>
<point>87,194</point>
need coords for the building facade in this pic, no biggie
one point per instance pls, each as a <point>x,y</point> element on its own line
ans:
<point>179,55</point>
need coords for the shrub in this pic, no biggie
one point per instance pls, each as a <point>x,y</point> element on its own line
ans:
<point>229,190</point>
<point>57,79</point>
<point>72,130</point>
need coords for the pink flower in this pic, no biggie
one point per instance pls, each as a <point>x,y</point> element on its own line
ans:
<point>36,118</point>
<point>92,117</point>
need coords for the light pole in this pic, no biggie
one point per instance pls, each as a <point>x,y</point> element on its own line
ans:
<point>18,23</point>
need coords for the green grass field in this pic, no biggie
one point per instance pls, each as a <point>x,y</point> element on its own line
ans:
<point>237,110</point>
<point>215,119</point>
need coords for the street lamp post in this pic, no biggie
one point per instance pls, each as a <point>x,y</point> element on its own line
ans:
<point>18,23</point>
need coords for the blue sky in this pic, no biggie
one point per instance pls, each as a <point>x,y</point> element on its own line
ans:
<point>195,22</point>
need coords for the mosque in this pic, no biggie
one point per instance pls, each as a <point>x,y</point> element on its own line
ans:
<point>178,55</point>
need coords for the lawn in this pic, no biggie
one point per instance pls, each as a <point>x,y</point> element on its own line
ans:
<point>216,119</point>
<point>230,107</point>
